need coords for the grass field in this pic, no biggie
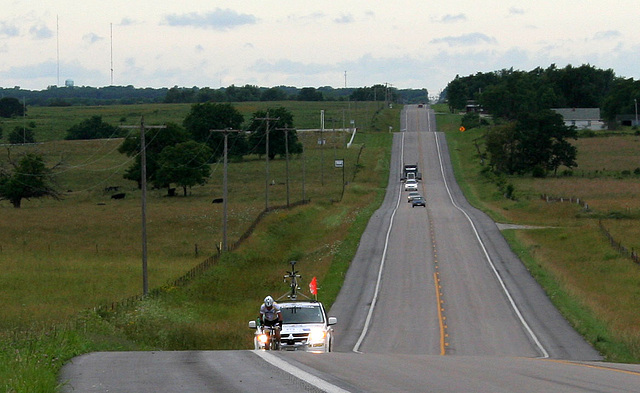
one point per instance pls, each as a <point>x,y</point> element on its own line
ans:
<point>52,123</point>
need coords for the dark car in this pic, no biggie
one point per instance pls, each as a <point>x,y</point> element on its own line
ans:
<point>412,195</point>
<point>418,201</point>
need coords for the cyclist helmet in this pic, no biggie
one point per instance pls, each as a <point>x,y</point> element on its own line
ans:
<point>268,301</point>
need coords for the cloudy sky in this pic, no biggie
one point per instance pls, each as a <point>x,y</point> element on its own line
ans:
<point>406,43</point>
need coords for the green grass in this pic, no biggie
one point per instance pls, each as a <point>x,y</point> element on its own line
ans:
<point>84,251</point>
<point>52,123</point>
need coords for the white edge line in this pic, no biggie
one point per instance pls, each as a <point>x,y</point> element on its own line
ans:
<point>524,323</point>
<point>300,374</point>
<point>365,329</point>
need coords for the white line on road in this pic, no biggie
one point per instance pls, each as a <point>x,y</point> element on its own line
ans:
<point>300,374</point>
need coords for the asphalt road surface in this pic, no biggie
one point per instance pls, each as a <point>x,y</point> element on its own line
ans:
<point>434,301</point>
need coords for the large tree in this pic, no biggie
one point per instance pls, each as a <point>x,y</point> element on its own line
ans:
<point>29,178</point>
<point>22,134</point>
<point>10,107</point>
<point>534,142</point>
<point>208,116</point>
<point>156,139</point>
<point>185,164</point>
<point>93,128</point>
<point>280,124</point>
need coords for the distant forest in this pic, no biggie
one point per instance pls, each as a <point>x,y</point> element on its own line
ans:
<point>112,95</point>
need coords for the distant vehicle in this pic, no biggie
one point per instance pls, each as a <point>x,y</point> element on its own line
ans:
<point>420,105</point>
<point>413,194</point>
<point>410,170</point>
<point>411,185</point>
<point>418,201</point>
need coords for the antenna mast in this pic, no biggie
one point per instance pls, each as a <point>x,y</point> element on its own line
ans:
<point>58,50</point>
<point>111,32</point>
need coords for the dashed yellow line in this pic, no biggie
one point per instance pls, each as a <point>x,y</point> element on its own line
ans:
<point>441,318</point>
<point>436,275</point>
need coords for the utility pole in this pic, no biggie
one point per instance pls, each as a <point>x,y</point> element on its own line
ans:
<point>333,128</point>
<point>266,190</point>
<point>286,149</point>
<point>143,186</point>
<point>322,147</point>
<point>224,186</point>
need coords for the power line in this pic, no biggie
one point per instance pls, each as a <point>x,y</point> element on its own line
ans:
<point>224,186</point>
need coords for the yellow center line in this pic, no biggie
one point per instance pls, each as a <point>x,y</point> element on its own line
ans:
<point>440,316</point>
<point>436,276</point>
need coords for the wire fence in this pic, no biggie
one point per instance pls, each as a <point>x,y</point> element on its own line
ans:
<point>575,200</point>
<point>617,245</point>
<point>198,269</point>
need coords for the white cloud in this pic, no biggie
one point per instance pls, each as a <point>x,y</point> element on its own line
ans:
<point>465,40</point>
<point>40,32</point>
<point>606,35</point>
<point>344,19</point>
<point>8,30</point>
<point>91,38</point>
<point>218,20</point>
<point>126,22</point>
<point>452,18</point>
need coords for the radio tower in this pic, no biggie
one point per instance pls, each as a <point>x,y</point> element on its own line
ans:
<point>111,33</point>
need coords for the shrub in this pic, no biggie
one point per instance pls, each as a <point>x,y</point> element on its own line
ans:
<point>539,172</point>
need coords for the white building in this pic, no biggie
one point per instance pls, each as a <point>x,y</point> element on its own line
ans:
<point>581,118</point>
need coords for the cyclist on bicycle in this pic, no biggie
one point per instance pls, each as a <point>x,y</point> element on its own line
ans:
<point>270,315</point>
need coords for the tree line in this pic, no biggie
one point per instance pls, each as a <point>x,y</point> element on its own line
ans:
<point>507,93</point>
<point>111,95</point>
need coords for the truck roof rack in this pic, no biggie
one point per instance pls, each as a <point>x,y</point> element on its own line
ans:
<point>294,289</point>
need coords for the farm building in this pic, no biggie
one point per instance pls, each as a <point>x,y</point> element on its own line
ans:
<point>581,118</point>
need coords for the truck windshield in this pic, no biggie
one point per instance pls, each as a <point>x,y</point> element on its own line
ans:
<point>302,314</point>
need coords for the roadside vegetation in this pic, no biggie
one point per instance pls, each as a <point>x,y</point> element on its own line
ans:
<point>592,283</point>
<point>67,265</point>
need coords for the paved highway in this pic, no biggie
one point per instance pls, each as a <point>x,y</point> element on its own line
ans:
<point>434,301</point>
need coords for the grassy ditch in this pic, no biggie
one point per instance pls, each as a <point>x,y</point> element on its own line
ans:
<point>62,257</point>
<point>595,287</point>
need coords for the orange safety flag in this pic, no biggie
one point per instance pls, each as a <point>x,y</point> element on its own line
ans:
<point>313,286</point>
